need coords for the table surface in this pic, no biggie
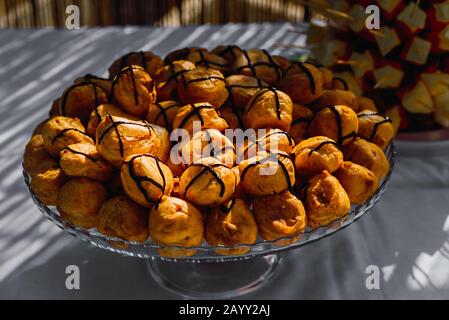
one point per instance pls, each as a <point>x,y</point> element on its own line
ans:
<point>406,235</point>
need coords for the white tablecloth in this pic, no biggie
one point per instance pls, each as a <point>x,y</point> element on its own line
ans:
<point>406,235</point>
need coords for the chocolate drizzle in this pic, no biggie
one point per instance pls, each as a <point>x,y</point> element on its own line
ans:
<point>115,124</point>
<point>76,85</point>
<point>338,120</point>
<point>322,144</point>
<point>377,124</point>
<point>196,111</point>
<point>227,208</point>
<point>207,169</point>
<point>163,113</point>
<point>174,76</point>
<point>139,180</point>
<point>276,99</point>
<point>343,81</point>
<point>307,72</point>
<point>62,132</point>
<point>264,160</point>
<point>252,66</point>
<point>133,78</point>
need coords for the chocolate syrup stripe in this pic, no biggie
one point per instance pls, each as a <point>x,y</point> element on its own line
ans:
<point>140,179</point>
<point>126,69</point>
<point>338,120</point>
<point>345,84</point>
<point>81,153</point>
<point>186,83</point>
<point>76,85</point>
<point>307,72</point>
<point>276,98</point>
<point>163,112</point>
<point>204,170</point>
<point>261,161</point>
<point>115,124</point>
<point>174,76</point>
<point>377,124</point>
<point>322,144</point>
<point>252,66</point>
<point>62,132</point>
<point>195,111</point>
<point>227,209</point>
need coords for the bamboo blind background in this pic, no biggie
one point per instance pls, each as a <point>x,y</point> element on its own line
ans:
<point>51,13</point>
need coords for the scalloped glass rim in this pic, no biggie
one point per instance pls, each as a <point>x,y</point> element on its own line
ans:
<point>206,252</point>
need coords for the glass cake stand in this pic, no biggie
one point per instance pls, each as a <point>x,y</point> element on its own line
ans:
<point>206,274</point>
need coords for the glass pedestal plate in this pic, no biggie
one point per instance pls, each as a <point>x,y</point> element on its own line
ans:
<point>207,274</point>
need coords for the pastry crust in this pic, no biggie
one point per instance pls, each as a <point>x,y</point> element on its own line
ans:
<point>146,179</point>
<point>80,99</point>
<point>267,173</point>
<point>228,52</point>
<point>279,215</point>
<point>119,138</point>
<point>200,85</point>
<point>335,97</point>
<point>133,90</point>
<point>167,78</point>
<point>325,200</point>
<point>149,61</point>
<point>36,159</point>
<point>365,104</point>
<point>181,54</point>
<point>368,155</point>
<point>79,201</point>
<point>231,224</point>
<point>176,222</point>
<point>208,60</point>
<point>46,185</point>
<point>241,88</point>
<point>259,64</point>
<point>316,154</point>
<point>303,82</point>
<point>358,182</point>
<point>84,160</point>
<point>204,114</point>
<point>302,116</point>
<point>376,128</point>
<point>163,113</point>
<point>208,182</point>
<point>101,112</point>
<point>121,217</point>
<point>339,123</point>
<point>269,108</point>
<point>105,84</point>
<point>232,116</point>
<point>60,132</point>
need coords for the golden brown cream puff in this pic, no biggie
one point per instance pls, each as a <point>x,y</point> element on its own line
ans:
<point>366,103</point>
<point>267,173</point>
<point>302,116</point>
<point>80,200</point>
<point>133,90</point>
<point>84,160</point>
<point>146,179</point>
<point>376,128</point>
<point>180,54</point>
<point>259,64</point>
<point>208,182</point>
<point>269,108</point>
<point>325,200</point>
<point>368,155</point>
<point>47,184</point>
<point>163,113</point>
<point>166,78</point>
<point>60,132</point>
<point>316,154</point>
<point>230,224</point>
<point>208,60</point>
<point>358,182</point>
<point>105,84</point>
<point>232,116</point>
<point>36,158</point>
<point>204,114</point>
<point>101,112</point>
<point>200,85</point>
<point>228,52</point>
<point>340,123</point>
<point>149,61</point>
<point>279,215</point>
<point>80,99</point>
<point>303,82</point>
<point>120,217</point>
<point>241,88</point>
<point>117,138</point>
<point>176,222</point>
